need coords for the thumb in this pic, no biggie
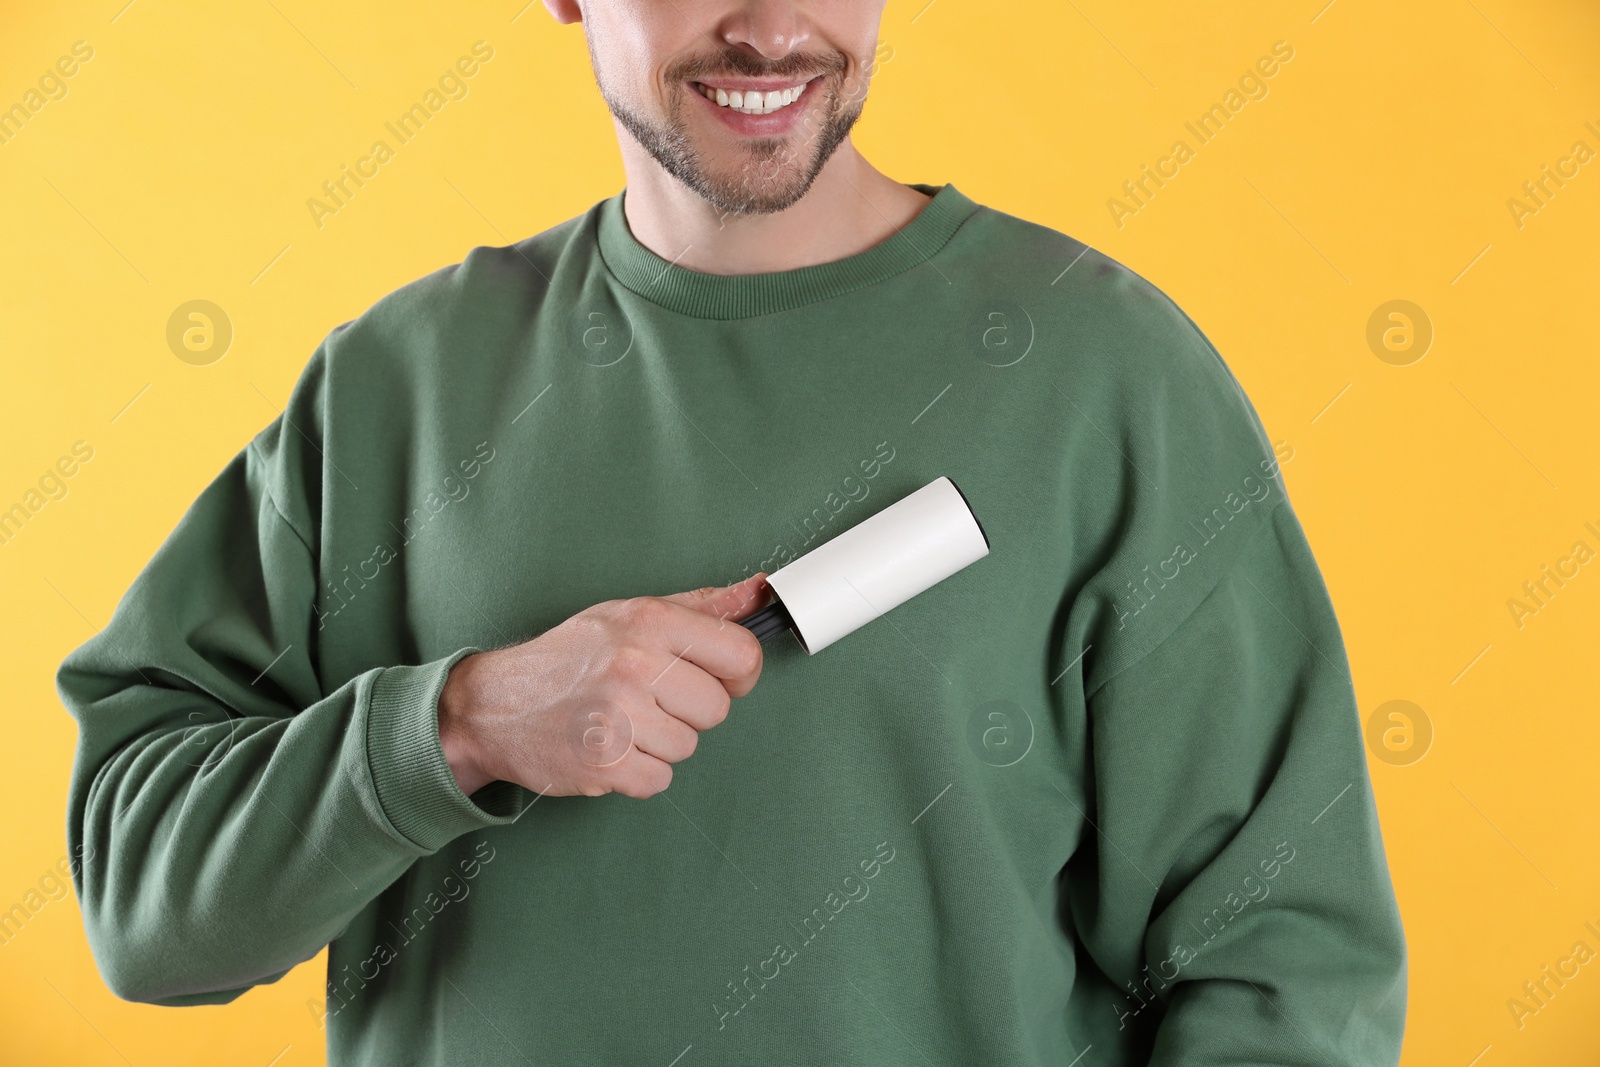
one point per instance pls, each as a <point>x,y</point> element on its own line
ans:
<point>734,601</point>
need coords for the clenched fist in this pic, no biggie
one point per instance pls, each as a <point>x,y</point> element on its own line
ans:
<point>606,701</point>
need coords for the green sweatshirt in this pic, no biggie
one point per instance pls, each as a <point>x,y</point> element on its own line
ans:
<point>1099,798</point>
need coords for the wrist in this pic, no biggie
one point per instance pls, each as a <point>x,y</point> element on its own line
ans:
<point>455,734</point>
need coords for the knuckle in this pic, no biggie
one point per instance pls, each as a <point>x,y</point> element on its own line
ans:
<point>593,785</point>
<point>629,663</point>
<point>646,784</point>
<point>644,610</point>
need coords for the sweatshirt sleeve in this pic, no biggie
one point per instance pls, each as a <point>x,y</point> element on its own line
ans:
<point>232,812</point>
<point>1236,887</point>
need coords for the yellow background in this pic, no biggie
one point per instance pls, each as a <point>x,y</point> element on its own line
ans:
<point>1377,168</point>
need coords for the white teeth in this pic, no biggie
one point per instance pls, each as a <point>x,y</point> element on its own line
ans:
<point>753,103</point>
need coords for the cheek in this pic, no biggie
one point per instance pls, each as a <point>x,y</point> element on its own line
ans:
<point>863,61</point>
<point>637,43</point>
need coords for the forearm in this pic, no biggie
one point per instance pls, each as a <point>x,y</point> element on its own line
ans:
<point>219,856</point>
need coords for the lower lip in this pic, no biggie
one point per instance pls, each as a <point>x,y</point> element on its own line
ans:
<point>777,123</point>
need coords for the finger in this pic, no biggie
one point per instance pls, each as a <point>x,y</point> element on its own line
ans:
<point>664,736</point>
<point>743,599</point>
<point>642,776</point>
<point>735,602</point>
<point>720,648</point>
<point>689,694</point>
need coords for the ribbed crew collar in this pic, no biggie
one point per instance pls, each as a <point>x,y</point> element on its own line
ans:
<point>737,296</point>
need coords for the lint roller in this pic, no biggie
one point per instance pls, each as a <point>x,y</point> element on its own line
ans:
<point>879,564</point>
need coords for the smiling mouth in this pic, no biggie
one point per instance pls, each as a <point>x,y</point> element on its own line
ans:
<point>753,101</point>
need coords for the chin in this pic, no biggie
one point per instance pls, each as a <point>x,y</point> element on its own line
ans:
<point>762,197</point>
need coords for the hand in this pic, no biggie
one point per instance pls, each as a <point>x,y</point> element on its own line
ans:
<point>606,701</point>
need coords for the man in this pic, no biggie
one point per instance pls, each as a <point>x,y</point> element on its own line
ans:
<point>402,683</point>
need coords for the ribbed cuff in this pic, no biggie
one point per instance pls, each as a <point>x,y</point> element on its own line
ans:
<point>415,785</point>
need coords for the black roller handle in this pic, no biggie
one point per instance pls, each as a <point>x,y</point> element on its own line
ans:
<point>769,622</point>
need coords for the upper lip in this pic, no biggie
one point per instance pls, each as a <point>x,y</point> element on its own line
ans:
<point>762,85</point>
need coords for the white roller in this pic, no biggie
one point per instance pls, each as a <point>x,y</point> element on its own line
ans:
<point>879,564</point>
